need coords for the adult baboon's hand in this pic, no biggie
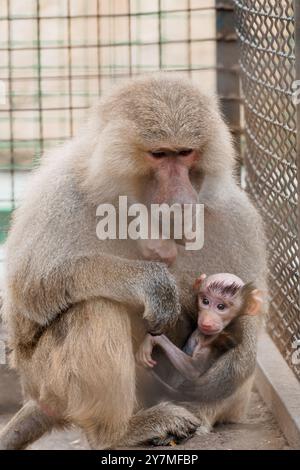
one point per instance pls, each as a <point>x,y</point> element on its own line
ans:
<point>162,306</point>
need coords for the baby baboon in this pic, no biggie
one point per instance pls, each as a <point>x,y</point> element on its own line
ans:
<point>221,299</point>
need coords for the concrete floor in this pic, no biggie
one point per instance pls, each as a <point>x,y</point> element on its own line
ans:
<point>259,431</point>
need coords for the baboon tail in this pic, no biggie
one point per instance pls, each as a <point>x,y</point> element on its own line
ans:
<point>28,425</point>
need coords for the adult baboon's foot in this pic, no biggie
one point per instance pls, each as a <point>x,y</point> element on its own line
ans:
<point>28,425</point>
<point>168,440</point>
<point>160,424</point>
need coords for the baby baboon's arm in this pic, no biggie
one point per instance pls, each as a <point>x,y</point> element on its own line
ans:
<point>185,364</point>
<point>189,367</point>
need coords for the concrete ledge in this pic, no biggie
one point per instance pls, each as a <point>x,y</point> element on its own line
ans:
<point>10,390</point>
<point>279,389</point>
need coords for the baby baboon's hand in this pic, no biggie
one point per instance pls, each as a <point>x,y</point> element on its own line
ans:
<point>144,354</point>
<point>162,307</point>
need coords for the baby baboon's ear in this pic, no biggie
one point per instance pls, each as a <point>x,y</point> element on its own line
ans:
<point>254,302</point>
<point>198,282</point>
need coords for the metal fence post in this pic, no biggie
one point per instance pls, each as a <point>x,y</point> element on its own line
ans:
<point>227,56</point>
<point>297,55</point>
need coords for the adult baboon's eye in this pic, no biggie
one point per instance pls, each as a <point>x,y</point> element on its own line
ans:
<point>158,154</point>
<point>185,152</point>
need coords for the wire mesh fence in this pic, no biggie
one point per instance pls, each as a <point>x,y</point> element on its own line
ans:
<point>266,30</point>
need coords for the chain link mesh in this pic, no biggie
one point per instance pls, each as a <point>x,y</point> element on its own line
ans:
<point>266,31</point>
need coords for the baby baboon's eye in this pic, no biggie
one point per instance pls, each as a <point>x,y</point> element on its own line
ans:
<point>221,306</point>
<point>205,301</point>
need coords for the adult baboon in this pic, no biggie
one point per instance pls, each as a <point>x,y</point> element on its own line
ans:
<point>74,305</point>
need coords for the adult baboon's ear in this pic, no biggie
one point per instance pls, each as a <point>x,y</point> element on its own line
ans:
<point>198,281</point>
<point>254,302</point>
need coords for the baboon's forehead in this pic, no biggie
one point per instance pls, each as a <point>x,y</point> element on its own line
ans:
<point>155,106</point>
<point>165,110</point>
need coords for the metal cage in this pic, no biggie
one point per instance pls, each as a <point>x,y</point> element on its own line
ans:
<point>266,31</point>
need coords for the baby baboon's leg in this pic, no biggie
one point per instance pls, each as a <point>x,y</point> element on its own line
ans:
<point>158,423</point>
<point>28,425</point>
<point>234,408</point>
<point>229,410</point>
